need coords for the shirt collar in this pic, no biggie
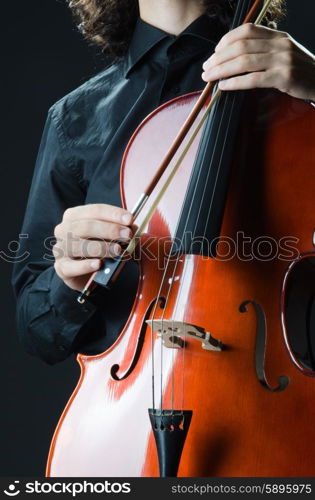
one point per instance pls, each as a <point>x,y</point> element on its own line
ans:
<point>146,36</point>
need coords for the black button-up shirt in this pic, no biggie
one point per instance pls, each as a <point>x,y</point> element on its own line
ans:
<point>78,163</point>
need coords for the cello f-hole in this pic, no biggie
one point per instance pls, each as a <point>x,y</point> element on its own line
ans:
<point>260,348</point>
<point>115,368</point>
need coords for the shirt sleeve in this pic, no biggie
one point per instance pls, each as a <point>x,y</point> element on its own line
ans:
<point>49,318</point>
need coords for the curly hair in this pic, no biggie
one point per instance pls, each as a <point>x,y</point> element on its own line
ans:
<point>110,23</point>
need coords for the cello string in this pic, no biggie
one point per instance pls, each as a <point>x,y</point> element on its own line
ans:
<point>262,14</point>
<point>182,280</point>
<point>207,177</point>
<point>216,180</point>
<point>181,284</point>
<point>209,171</point>
<point>184,275</point>
<point>170,286</point>
<point>132,244</point>
<point>171,281</point>
<point>259,18</point>
<point>162,318</point>
<point>198,261</point>
<point>140,229</point>
<point>159,295</point>
<point>214,99</point>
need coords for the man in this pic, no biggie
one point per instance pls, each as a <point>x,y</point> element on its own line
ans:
<point>162,50</point>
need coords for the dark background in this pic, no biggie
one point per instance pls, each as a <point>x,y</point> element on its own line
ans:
<point>43,58</point>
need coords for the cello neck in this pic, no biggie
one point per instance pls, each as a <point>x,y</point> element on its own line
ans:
<point>202,213</point>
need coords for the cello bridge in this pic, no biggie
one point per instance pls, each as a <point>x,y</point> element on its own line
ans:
<point>174,333</point>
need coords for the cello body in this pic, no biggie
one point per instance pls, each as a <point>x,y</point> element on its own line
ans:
<point>253,402</point>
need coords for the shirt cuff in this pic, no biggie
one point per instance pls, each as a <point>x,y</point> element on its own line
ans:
<point>68,310</point>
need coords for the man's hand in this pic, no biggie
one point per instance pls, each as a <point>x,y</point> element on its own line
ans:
<point>255,56</point>
<point>86,235</point>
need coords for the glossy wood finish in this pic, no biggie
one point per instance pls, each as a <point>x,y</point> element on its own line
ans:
<point>238,427</point>
<point>183,132</point>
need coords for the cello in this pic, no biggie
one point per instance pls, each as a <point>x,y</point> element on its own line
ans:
<point>213,372</point>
